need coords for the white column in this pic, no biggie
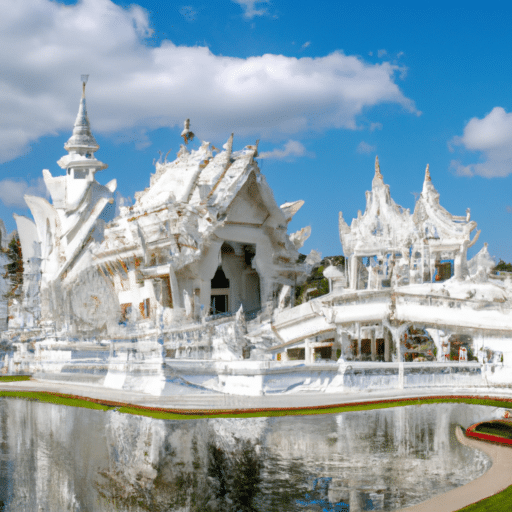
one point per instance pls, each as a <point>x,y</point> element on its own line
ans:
<point>354,262</point>
<point>396,339</point>
<point>401,375</point>
<point>385,333</point>
<point>175,290</point>
<point>358,327</point>
<point>308,351</point>
<point>343,339</point>
<point>457,263</point>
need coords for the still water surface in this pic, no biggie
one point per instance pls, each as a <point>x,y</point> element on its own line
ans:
<point>57,458</point>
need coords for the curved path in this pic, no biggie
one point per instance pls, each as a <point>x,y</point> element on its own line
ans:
<point>491,482</point>
<point>497,478</point>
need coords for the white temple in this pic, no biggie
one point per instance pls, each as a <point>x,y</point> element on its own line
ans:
<point>194,285</point>
<point>407,289</point>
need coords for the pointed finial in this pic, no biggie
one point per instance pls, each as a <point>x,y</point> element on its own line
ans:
<point>377,168</point>
<point>186,133</point>
<point>82,140</point>
<point>229,145</point>
<point>84,79</point>
<point>427,174</point>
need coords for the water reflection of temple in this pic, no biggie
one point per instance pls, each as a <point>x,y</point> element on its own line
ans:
<point>63,458</point>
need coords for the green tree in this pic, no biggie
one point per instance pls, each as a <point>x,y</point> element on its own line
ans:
<point>316,284</point>
<point>503,267</point>
<point>15,267</point>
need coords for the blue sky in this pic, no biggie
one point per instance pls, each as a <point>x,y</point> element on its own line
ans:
<point>326,87</point>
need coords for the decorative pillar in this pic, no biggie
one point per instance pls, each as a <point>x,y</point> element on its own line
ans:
<point>396,340</point>
<point>343,339</point>
<point>373,345</point>
<point>354,263</point>
<point>401,378</point>
<point>457,264</point>
<point>175,290</point>
<point>358,327</point>
<point>387,354</point>
<point>308,351</point>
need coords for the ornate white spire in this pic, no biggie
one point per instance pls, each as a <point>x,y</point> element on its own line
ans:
<point>82,140</point>
<point>427,174</point>
<point>82,145</point>
<point>378,174</point>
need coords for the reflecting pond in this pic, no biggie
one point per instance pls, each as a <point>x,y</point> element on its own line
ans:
<point>63,458</point>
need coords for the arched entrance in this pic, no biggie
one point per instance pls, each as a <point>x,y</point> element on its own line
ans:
<point>219,301</point>
<point>235,283</point>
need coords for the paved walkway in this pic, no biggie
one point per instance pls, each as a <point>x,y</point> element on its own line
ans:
<point>493,481</point>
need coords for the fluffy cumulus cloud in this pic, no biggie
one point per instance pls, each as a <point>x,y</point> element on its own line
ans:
<point>135,87</point>
<point>292,148</point>
<point>492,138</point>
<point>12,191</point>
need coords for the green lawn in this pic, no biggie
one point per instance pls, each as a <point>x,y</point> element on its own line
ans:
<point>13,378</point>
<point>495,428</point>
<point>500,502</point>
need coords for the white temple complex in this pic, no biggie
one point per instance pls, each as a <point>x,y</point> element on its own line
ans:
<point>407,288</point>
<point>194,285</point>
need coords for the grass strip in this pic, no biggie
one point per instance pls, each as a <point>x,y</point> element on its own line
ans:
<point>14,378</point>
<point>497,503</point>
<point>187,414</point>
<point>57,399</point>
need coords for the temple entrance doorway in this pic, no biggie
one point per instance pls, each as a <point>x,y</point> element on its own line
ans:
<point>219,300</point>
<point>236,283</point>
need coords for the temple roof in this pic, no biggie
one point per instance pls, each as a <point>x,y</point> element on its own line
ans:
<point>189,198</point>
<point>435,222</point>
<point>384,224</point>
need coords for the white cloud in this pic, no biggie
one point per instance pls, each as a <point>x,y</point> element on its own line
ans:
<point>381,53</point>
<point>365,148</point>
<point>12,191</point>
<point>135,88</point>
<point>492,137</point>
<point>375,126</point>
<point>291,149</point>
<point>306,44</point>
<point>249,7</point>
